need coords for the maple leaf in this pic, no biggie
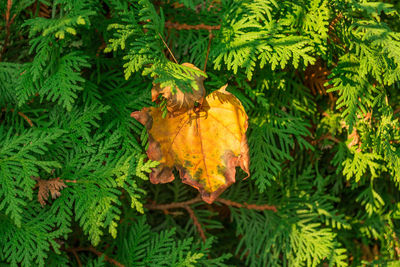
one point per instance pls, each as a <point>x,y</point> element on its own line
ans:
<point>178,100</point>
<point>45,186</point>
<point>205,145</point>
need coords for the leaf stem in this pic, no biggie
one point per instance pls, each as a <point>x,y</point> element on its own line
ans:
<point>169,50</point>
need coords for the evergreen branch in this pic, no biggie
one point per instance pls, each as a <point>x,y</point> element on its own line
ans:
<point>325,136</point>
<point>245,205</point>
<point>197,199</point>
<point>329,165</point>
<point>173,205</point>
<point>98,253</point>
<point>186,205</point>
<point>8,25</point>
<point>335,21</point>
<point>21,114</point>
<point>78,260</point>
<point>196,222</point>
<point>210,36</point>
<point>184,26</point>
<point>169,50</point>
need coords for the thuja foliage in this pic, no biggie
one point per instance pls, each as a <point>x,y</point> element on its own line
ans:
<point>319,80</point>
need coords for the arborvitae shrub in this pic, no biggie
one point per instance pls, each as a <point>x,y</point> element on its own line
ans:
<point>318,79</point>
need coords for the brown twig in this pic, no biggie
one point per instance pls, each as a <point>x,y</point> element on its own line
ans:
<point>230,203</point>
<point>335,21</point>
<point>210,36</point>
<point>196,222</point>
<point>98,253</point>
<point>327,136</point>
<point>184,26</point>
<point>197,199</point>
<point>21,114</point>
<point>103,44</point>
<point>8,24</point>
<point>78,260</point>
<point>331,30</point>
<point>169,50</point>
<point>173,205</point>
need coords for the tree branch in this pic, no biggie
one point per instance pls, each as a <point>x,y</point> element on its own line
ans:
<point>173,205</point>
<point>198,199</point>
<point>245,205</point>
<point>8,24</point>
<point>169,50</point>
<point>186,205</point>
<point>335,21</point>
<point>98,253</point>
<point>184,26</point>
<point>78,260</point>
<point>210,36</point>
<point>21,114</point>
<point>196,222</point>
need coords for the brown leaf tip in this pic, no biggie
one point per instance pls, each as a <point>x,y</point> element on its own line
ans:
<point>143,117</point>
<point>223,89</point>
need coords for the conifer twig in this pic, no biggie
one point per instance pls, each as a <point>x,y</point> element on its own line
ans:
<point>196,222</point>
<point>245,205</point>
<point>210,36</point>
<point>21,114</point>
<point>327,136</point>
<point>78,260</point>
<point>332,28</point>
<point>7,27</point>
<point>197,199</point>
<point>184,26</point>
<point>173,205</point>
<point>335,21</point>
<point>169,50</point>
<point>98,253</point>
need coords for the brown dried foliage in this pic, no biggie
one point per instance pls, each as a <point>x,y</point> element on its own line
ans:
<point>315,78</point>
<point>52,186</point>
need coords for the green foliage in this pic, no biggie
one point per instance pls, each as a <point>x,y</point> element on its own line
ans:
<point>19,162</point>
<point>319,81</point>
<point>140,247</point>
<point>142,29</point>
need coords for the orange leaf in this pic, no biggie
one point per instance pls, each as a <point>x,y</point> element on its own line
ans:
<point>204,146</point>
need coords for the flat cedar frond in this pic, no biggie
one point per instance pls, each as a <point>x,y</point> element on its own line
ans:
<point>52,186</point>
<point>319,81</point>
